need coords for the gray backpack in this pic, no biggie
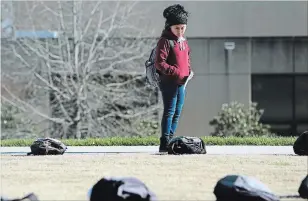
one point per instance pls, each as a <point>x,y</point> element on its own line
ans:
<point>245,188</point>
<point>152,77</point>
<point>242,188</point>
<point>47,146</point>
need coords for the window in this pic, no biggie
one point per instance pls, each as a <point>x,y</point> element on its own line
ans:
<point>273,93</point>
<point>301,98</point>
<point>282,129</point>
<point>301,128</point>
<point>284,100</point>
<point>280,82</point>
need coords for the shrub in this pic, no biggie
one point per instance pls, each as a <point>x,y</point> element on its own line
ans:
<point>236,120</point>
<point>9,116</point>
<point>147,127</point>
<point>15,123</point>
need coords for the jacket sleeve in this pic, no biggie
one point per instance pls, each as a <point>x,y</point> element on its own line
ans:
<point>162,51</point>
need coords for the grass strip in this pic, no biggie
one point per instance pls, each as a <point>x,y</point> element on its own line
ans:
<point>150,141</point>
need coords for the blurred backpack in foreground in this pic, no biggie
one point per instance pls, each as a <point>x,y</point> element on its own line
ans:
<point>29,197</point>
<point>47,146</point>
<point>303,188</point>
<point>300,146</point>
<point>186,145</point>
<point>121,189</point>
<point>242,188</point>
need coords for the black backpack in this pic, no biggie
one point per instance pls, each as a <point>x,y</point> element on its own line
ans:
<point>242,188</point>
<point>300,146</point>
<point>120,189</point>
<point>47,146</point>
<point>303,188</point>
<point>186,145</point>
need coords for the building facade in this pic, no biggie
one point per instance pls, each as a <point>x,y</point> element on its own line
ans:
<point>268,63</point>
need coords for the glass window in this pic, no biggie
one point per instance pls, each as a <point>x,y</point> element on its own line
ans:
<point>281,129</point>
<point>301,93</point>
<point>301,128</point>
<point>273,93</point>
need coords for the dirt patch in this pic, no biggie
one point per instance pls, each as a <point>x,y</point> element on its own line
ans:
<point>69,177</point>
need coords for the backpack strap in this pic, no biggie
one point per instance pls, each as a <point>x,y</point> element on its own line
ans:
<point>171,42</point>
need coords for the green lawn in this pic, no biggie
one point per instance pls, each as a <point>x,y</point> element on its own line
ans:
<point>148,141</point>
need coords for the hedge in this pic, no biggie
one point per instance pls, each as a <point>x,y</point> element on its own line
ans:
<point>150,141</point>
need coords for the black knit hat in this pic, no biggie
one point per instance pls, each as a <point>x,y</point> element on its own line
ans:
<point>175,14</point>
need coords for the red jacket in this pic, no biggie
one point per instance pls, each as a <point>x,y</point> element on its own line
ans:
<point>177,66</point>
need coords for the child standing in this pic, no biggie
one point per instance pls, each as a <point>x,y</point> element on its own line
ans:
<point>173,66</point>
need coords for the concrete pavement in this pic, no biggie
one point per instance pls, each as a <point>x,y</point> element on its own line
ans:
<point>212,150</point>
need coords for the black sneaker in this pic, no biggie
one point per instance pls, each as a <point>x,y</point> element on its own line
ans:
<point>163,147</point>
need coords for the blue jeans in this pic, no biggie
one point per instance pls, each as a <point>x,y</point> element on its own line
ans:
<point>173,99</point>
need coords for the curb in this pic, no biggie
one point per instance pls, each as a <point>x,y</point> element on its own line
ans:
<point>211,150</point>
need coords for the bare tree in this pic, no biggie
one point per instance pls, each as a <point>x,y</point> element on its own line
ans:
<point>91,69</point>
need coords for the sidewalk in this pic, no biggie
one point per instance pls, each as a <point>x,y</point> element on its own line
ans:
<point>220,150</point>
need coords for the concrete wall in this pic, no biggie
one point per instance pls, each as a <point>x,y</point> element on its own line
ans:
<point>241,18</point>
<point>216,83</point>
<point>208,18</point>
<point>275,55</point>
